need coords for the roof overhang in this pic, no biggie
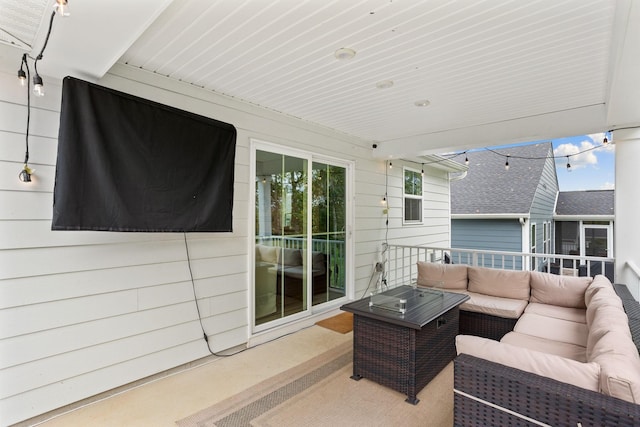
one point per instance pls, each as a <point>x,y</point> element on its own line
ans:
<point>515,216</point>
<point>584,217</point>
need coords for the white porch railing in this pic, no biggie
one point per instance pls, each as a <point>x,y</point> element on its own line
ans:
<point>401,268</point>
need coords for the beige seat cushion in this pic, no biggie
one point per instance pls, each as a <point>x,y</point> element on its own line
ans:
<point>571,351</point>
<point>499,283</point>
<point>495,306</point>
<point>552,329</point>
<point>585,375</point>
<point>563,291</point>
<point>573,314</point>
<point>452,276</point>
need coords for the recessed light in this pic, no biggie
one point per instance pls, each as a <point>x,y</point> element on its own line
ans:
<point>384,84</point>
<point>422,103</point>
<point>344,53</point>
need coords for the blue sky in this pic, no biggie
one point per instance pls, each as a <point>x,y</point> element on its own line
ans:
<point>592,162</point>
<point>590,170</point>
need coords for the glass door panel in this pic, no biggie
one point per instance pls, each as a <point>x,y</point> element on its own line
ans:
<point>281,236</point>
<point>595,241</point>
<point>328,213</point>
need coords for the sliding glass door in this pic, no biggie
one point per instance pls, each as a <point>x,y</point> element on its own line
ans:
<point>300,235</point>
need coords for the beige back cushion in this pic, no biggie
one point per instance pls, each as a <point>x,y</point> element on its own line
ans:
<point>564,291</point>
<point>619,365</point>
<point>453,276</point>
<point>585,375</point>
<point>599,282</point>
<point>266,253</point>
<point>499,283</point>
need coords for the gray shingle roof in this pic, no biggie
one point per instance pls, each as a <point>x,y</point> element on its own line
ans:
<point>490,189</point>
<point>582,203</point>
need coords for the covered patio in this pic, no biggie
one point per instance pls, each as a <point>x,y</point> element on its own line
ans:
<point>378,88</point>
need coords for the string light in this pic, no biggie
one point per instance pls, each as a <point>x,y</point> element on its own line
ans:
<point>61,8</point>
<point>466,159</point>
<point>390,165</point>
<point>506,165</point>
<point>422,171</point>
<point>568,165</point>
<point>605,141</point>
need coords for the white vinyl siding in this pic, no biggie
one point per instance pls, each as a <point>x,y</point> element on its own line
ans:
<point>84,312</point>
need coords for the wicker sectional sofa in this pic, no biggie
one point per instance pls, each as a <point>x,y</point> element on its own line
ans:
<point>541,349</point>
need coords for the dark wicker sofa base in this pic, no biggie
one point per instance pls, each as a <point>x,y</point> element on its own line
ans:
<point>525,396</point>
<point>485,325</point>
<point>491,394</point>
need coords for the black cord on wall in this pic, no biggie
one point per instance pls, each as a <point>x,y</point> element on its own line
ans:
<point>195,300</point>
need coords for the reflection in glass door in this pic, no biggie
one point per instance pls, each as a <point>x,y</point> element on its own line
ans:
<point>281,236</point>
<point>328,218</point>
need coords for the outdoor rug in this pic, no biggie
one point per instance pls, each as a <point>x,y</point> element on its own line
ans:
<point>320,392</point>
<point>342,323</point>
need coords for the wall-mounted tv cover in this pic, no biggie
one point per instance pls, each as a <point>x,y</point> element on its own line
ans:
<point>129,164</point>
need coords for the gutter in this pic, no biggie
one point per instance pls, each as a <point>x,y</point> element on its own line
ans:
<point>517,216</point>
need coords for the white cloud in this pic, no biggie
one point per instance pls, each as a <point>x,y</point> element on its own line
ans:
<point>580,156</point>
<point>608,186</point>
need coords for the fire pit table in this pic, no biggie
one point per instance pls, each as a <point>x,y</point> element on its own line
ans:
<point>403,337</point>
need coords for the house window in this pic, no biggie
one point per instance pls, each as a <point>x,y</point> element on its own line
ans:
<point>412,192</point>
<point>547,237</point>
<point>533,246</point>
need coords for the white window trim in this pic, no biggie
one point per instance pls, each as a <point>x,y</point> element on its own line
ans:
<point>411,196</point>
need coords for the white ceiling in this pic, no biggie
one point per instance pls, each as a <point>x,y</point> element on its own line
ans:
<point>494,71</point>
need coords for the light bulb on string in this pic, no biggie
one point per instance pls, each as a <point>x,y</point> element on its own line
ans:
<point>390,165</point>
<point>506,164</point>
<point>62,8</point>
<point>466,159</point>
<point>568,165</point>
<point>422,171</point>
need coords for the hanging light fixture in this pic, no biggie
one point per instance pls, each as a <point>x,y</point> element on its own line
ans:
<point>422,171</point>
<point>506,164</point>
<point>38,85</point>
<point>62,7</point>
<point>568,165</point>
<point>25,173</point>
<point>466,159</point>
<point>22,76</point>
<point>390,165</point>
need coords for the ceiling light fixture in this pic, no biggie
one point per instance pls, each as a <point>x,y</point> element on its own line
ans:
<point>344,53</point>
<point>384,84</point>
<point>422,103</point>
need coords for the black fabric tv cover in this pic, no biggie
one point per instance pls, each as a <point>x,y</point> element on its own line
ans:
<point>129,164</point>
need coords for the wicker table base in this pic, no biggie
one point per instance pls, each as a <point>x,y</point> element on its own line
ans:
<point>403,358</point>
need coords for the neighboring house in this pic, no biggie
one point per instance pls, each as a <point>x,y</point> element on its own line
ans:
<point>584,225</point>
<point>500,209</point>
